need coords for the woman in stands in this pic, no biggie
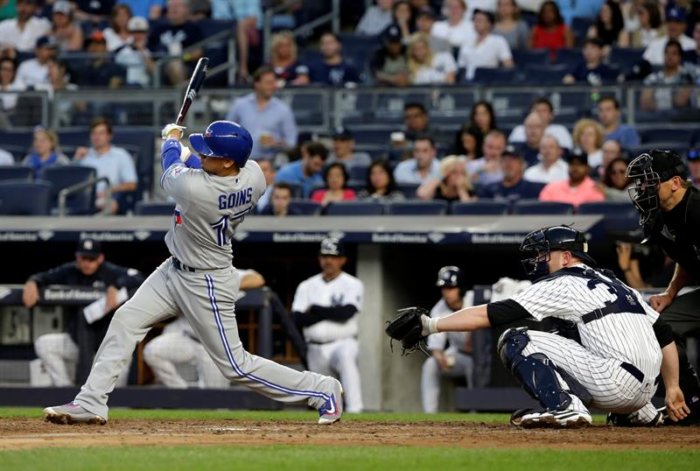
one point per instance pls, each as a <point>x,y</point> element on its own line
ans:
<point>285,62</point>
<point>45,152</point>
<point>9,83</point>
<point>588,137</point>
<point>482,117</point>
<point>117,34</point>
<point>380,184</point>
<point>67,32</point>
<point>426,67</point>
<point>551,32</point>
<point>336,178</point>
<point>649,25</point>
<point>469,142</point>
<point>455,184</point>
<point>615,182</point>
<point>609,27</point>
<point>510,26</point>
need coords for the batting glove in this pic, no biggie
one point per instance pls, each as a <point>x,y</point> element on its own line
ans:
<point>165,133</point>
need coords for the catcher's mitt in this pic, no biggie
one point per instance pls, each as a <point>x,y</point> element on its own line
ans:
<point>407,327</point>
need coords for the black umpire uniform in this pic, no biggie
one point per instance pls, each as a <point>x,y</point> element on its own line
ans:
<point>677,231</point>
<point>88,337</point>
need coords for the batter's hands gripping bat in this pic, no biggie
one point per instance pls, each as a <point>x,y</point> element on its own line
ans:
<point>196,82</point>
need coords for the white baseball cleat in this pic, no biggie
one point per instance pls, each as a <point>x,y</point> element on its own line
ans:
<point>573,416</point>
<point>72,413</point>
<point>331,410</point>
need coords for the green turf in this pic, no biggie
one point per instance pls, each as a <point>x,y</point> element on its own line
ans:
<point>298,458</point>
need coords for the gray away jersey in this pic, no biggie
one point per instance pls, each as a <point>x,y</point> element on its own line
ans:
<point>208,210</point>
<point>625,335</point>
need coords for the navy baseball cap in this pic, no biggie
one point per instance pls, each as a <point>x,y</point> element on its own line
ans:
<point>676,14</point>
<point>89,248</point>
<point>667,164</point>
<point>694,155</point>
<point>343,134</point>
<point>392,34</point>
<point>331,246</point>
<point>47,41</point>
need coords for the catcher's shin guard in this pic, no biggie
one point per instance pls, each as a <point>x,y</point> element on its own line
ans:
<point>535,372</point>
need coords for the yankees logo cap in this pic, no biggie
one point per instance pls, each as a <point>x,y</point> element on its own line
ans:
<point>332,246</point>
<point>89,248</point>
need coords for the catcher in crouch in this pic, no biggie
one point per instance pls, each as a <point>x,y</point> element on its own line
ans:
<point>623,343</point>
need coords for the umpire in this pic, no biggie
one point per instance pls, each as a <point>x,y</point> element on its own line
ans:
<point>670,214</point>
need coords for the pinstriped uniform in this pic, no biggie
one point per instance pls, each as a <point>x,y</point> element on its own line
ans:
<point>615,326</point>
<point>203,287</point>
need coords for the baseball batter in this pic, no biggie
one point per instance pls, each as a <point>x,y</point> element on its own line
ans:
<point>198,281</point>
<point>622,348</point>
<point>326,306</point>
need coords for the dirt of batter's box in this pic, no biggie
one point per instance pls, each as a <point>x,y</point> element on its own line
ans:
<point>33,433</point>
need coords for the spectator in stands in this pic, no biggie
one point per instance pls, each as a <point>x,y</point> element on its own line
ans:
<point>100,70</point>
<point>487,169</point>
<point>551,167</point>
<point>307,171</point>
<point>380,184</point>
<point>94,11</point>
<point>135,55</point>
<point>344,150</point>
<point>9,83</point>
<point>117,33</point>
<point>588,138</point>
<point>655,53</point>
<point>543,107</point>
<point>425,19</point>
<point>33,72</point>
<point>611,150</point>
<point>551,32</point>
<point>571,9</point>
<point>482,117</point>
<point>110,161</point>
<point>453,184</point>
<point>426,67</point>
<point>22,33</point>
<point>422,166</point>
<point>178,344</point>
<point>509,25</point>
<point>457,28</point>
<point>151,9</point>
<point>402,14</point>
<point>534,132</point>
<point>591,70</point>
<point>333,69</point>
<point>45,152</point>
<point>417,123</point>
<point>579,188</point>
<point>60,80</point>
<point>469,142</point>
<point>336,178</point>
<point>248,16</point>
<point>648,26</point>
<point>609,27</point>
<point>62,352</point>
<point>284,60</point>
<point>389,64</point>
<point>269,120</point>
<point>65,29</point>
<point>268,170</point>
<point>280,199</point>
<point>513,187</point>
<point>675,82</point>
<point>376,18</point>
<point>172,37</point>
<point>615,182</point>
<point>484,49</point>
<point>609,115</point>
<point>694,166</point>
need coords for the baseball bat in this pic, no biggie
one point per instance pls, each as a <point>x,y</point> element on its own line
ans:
<point>196,82</point>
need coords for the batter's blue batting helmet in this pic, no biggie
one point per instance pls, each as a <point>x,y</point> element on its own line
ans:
<point>224,139</point>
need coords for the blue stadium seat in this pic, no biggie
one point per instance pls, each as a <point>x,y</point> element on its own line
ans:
<point>569,56</point>
<point>60,177</point>
<point>529,57</point>
<point>625,58</point>
<point>408,189</point>
<point>359,172</point>
<point>304,208</point>
<point>373,136</point>
<point>154,209</point>
<point>417,207</point>
<point>480,208</point>
<point>488,76</point>
<point>21,139</point>
<point>23,198</point>
<point>579,26</point>
<point>350,208</point>
<point>619,216</point>
<point>548,75</point>
<point>679,136</point>
<point>16,172</point>
<point>536,207</point>
<point>695,138</point>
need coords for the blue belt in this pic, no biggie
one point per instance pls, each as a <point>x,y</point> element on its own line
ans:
<point>181,266</point>
<point>633,370</point>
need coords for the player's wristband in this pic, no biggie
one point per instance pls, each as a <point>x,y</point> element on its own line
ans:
<point>432,325</point>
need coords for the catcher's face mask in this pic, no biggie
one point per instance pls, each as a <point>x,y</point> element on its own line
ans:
<point>644,194</point>
<point>536,254</point>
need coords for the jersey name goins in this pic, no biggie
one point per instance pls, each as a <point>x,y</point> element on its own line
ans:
<point>237,198</point>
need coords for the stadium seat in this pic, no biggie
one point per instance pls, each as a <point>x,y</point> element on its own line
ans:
<point>16,172</point>
<point>60,177</point>
<point>359,172</point>
<point>24,198</point>
<point>350,208</point>
<point>625,58</point>
<point>417,207</point>
<point>154,209</point>
<point>536,207</point>
<point>569,56</point>
<point>373,136</point>
<point>619,216</point>
<point>530,57</point>
<point>489,76</point>
<point>579,26</point>
<point>304,208</point>
<point>408,189</point>
<point>480,208</point>
<point>548,75</point>
<point>679,136</point>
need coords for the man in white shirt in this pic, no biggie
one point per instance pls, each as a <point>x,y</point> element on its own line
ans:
<point>552,167</point>
<point>675,28</point>
<point>422,166</point>
<point>484,49</point>
<point>21,33</point>
<point>457,28</point>
<point>487,169</point>
<point>543,107</point>
<point>35,72</point>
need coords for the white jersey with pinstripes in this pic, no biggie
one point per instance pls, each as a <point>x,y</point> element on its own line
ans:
<point>208,210</point>
<point>623,336</point>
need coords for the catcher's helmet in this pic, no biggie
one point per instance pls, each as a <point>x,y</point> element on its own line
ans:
<point>450,277</point>
<point>224,139</point>
<point>647,171</point>
<point>538,245</point>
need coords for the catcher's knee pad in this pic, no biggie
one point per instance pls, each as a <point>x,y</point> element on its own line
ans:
<point>511,343</point>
